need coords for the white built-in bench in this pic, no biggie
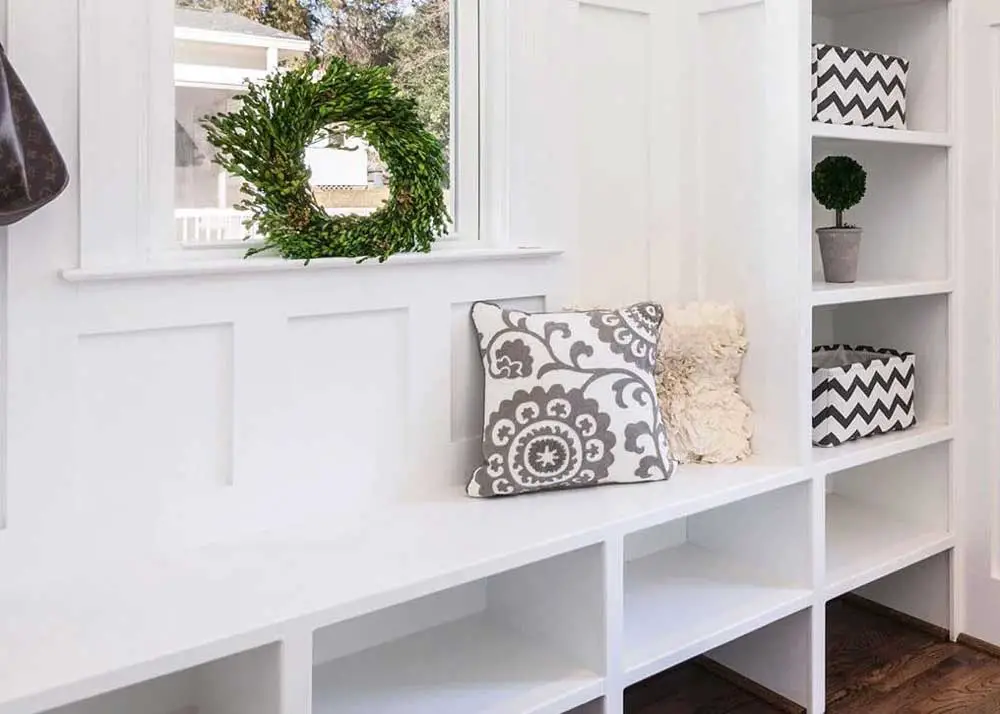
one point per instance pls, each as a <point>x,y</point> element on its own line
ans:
<point>535,604</point>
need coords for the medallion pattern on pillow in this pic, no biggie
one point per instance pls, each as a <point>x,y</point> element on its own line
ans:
<point>570,400</point>
<point>633,332</point>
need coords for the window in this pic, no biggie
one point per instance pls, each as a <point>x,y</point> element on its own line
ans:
<point>148,188</point>
<point>431,47</point>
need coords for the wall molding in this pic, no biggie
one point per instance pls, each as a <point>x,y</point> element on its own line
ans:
<point>240,266</point>
<point>641,7</point>
<point>707,7</point>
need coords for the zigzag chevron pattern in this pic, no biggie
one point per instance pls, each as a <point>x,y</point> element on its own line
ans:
<point>865,392</point>
<point>867,383</point>
<point>858,87</point>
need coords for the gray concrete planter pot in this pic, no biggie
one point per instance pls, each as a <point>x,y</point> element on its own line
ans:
<point>839,248</point>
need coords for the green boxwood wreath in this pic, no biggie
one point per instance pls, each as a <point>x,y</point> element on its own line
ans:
<point>264,143</point>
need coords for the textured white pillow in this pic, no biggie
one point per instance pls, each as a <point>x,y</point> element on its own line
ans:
<point>570,400</point>
<point>701,355</point>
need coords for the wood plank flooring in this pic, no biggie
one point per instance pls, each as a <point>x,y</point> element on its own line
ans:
<point>876,665</point>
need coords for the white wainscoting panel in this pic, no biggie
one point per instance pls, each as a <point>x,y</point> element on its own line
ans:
<point>152,427</point>
<point>614,56</point>
<point>731,112</point>
<point>543,90</point>
<point>180,412</point>
<point>349,373</point>
<point>636,65</point>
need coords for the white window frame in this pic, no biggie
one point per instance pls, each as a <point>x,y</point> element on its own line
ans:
<point>127,154</point>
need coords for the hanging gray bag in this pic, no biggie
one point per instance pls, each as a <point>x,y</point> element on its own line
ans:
<point>32,171</point>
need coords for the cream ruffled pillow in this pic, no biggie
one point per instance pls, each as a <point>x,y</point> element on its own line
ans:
<point>698,366</point>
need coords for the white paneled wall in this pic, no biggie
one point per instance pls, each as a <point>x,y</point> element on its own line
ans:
<point>224,406</point>
<point>616,200</point>
<point>175,411</point>
<point>182,410</point>
<point>39,375</point>
<point>674,177</point>
<point>730,111</point>
<point>632,58</point>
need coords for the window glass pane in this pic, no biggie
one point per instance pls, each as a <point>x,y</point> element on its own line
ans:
<point>422,65</point>
<point>205,196</point>
<point>220,43</point>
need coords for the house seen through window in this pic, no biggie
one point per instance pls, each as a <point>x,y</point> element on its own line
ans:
<point>219,45</point>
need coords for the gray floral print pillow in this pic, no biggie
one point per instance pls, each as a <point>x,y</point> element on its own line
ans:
<point>570,400</point>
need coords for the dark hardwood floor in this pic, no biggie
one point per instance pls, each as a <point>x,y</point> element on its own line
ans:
<point>876,665</point>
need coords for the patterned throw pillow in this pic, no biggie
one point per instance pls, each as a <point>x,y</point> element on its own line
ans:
<point>570,400</point>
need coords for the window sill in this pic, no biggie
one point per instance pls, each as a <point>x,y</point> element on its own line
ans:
<point>244,266</point>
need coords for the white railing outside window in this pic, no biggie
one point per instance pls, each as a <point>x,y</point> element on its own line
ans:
<point>205,227</point>
<point>226,227</point>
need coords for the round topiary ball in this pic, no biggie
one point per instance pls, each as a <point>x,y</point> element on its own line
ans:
<point>839,183</point>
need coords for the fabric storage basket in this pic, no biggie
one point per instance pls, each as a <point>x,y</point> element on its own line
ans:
<point>858,87</point>
<point>860,391</point>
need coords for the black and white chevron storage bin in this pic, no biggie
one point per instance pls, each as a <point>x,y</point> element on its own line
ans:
<point>860,391</point>
<point>858,87</point>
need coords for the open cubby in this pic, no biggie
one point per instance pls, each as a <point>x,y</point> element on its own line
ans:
<point>769,664</point>
<point>696,583</point>
<point>247,683</point>
<point>886,515</point>
<point>918,325</point>
<point>922,591</point>
<point>883,642</point>
<point>918,31</point>
<point>904,216</point>
<point>776,657</point>
<point>527,640</point>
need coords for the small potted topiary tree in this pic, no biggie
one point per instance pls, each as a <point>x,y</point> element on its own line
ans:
<point>839,183</point>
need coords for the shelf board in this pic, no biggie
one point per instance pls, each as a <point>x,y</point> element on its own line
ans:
<point>686,600</point>
<point>875,448</point>
<point>865,543</point>
<point>472,665</point>
<point>845,132</point>
<point>869,290</point>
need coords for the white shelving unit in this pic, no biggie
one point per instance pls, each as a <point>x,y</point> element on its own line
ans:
<point>523,612</point>
<point>556,603</point>
<point>889,526</point>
